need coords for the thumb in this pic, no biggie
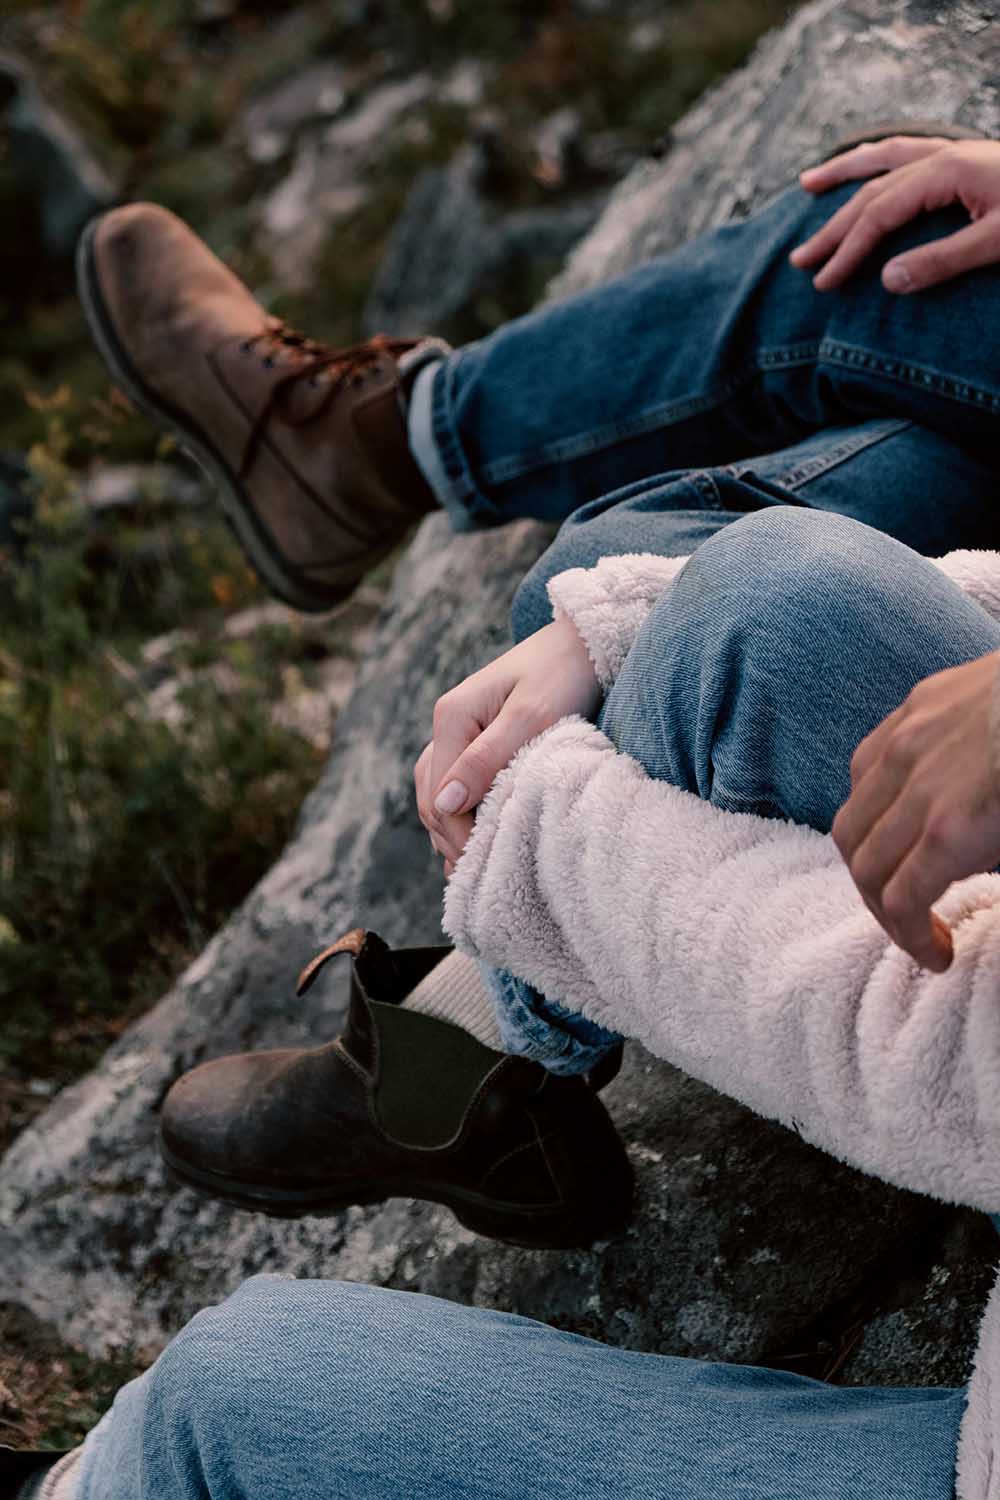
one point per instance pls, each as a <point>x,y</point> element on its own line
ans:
<point>942,939</point>
<point>464,785</point>
<point>977,244</point>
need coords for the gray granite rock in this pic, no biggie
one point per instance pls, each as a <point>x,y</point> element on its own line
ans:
<point>924,1326</point>
<point>274,119</point>
<point>746,1244</point>
<point>451,250</point>
<point>328,177</point>
<point>836,67</point>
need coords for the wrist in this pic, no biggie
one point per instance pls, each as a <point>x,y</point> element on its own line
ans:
<point>570,642</point>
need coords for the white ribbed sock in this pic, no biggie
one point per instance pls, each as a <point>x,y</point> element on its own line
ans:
<point>57,1483</point>
<point>454,991</point>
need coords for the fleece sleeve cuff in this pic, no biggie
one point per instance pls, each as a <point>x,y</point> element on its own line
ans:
<point>609,603</point>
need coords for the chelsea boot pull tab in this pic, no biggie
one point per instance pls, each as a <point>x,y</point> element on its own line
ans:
<point>352,942</point>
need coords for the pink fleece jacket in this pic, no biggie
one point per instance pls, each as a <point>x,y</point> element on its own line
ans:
<point>738,948</point>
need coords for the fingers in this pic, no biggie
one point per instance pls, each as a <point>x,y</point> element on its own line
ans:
<point>458,720</point>
<point>902,865</point>
<point>820,246</point>
<point>898,847</point>
<point>458,768</point>
<point>868,159</point>
<point>923,876</point>
<point>460,787</point>
<point>976,245</point>
<point>874,844</point>
<point>447,835</point>
<point>466,781</point>
<point>917,176</point>
<point>421,785</point>
<point>884,849</point>
<point>892,840</point>
<point>855,230</point>
<point>885,204</point>
<point>456,725</point>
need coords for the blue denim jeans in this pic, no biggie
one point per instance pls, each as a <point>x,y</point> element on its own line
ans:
<point>313,1390</point>
<point>805,447</point>
<point>806,450</point>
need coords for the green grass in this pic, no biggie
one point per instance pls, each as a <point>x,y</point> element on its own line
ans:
<point>123,842</point>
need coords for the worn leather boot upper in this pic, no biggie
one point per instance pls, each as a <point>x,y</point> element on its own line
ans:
<point>401,1104</point>
<point>306,444</point>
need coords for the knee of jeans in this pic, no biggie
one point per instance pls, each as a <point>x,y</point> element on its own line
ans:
<point>199,1370</point>
<point>786,563</point>
<point>222,1367</point>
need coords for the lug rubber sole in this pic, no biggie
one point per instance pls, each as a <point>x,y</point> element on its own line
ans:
<point>250,532</point>
<point>527,1229</point>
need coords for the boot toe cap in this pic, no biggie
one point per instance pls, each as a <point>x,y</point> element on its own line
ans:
<point>203,1116</point>
<point>127,235</point>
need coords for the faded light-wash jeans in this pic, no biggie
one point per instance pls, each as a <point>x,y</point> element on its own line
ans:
<point>806,449</point>
<point>324,1390</point>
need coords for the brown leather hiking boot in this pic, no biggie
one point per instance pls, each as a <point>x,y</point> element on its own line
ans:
<point>307,445</point>
<point>401,1105</point>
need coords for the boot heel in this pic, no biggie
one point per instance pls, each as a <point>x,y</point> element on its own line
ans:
<point>565,1231</point>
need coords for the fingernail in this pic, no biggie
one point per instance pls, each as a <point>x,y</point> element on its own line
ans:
<point>896,278</point>
<point>451,797</point>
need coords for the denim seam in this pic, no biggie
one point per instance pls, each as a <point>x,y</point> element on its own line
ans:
<point>704,481</point>
<point>867,437</point>
<point>906,372</point>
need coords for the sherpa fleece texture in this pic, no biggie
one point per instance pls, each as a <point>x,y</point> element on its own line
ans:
<point>609,603</point>
<point>738,948</point>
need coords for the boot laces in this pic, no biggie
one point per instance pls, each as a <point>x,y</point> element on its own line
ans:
<point>312,360</point>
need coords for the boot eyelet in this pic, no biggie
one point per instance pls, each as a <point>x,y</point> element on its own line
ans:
<point>268,361</point>
<point>245,346</point>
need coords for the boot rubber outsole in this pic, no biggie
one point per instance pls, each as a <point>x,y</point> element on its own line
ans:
<point>249,529</point>
<point>528,1229</point>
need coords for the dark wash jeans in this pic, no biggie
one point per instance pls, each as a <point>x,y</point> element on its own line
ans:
<point>807,446</point>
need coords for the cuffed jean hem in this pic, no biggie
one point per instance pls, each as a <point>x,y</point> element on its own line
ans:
<point>424,448</point>
<point>437,447</point>
<point>542,1030</point>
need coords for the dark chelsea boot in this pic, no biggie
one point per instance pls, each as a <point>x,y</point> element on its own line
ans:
<point>402,1105</point>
